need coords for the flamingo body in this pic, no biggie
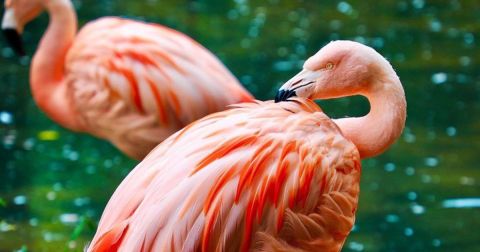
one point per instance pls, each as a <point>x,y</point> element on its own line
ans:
<point>261,177</point>
<point>136,84</point>
<point>132,83</point>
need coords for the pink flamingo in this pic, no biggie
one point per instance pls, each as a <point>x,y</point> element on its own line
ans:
<point>130,82</point>
<point>263,176</point>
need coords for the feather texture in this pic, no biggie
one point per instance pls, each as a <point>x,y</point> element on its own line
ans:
<point>259,177</point>
<point>136,83</point>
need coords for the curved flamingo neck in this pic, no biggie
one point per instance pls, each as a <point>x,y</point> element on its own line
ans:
<point>47,71</point>
<point>376,131</point>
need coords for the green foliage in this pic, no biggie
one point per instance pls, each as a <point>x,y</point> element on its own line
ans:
<point>3,203</point>
<point>85,223</point>
<point>22,249</point>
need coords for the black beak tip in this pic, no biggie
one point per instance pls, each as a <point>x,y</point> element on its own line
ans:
<point>14,40</point>
<point>283,95</point>
<point>279,95</point>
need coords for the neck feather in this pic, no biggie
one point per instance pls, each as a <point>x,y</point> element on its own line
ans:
<point>47,71</point>
<point>375,132</point>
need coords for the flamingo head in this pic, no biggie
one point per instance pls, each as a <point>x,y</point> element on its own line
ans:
<point>17,14</point>
<point>341,68</point>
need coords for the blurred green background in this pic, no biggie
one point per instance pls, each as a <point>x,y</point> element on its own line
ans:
<point>422,195</point>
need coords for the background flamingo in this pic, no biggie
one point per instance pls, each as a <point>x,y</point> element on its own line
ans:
<point>264,176</point>
<point>130,82</point>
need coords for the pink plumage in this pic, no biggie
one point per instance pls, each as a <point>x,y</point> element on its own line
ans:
<point>239,180</point>
<point>262,176</point>
<point>132,83</point>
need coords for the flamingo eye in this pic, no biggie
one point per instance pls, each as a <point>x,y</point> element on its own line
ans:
<point>329,65</point>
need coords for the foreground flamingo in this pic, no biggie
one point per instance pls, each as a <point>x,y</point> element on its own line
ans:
<point>130,82</point>
<point>263,176</point>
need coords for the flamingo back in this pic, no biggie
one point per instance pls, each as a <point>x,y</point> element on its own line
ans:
<point>261,177</point>
<point>136,83</point>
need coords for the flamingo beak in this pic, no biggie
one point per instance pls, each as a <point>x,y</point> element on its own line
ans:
<point>295,85</point>
<point>283,95</point>
<point>10,31</point>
